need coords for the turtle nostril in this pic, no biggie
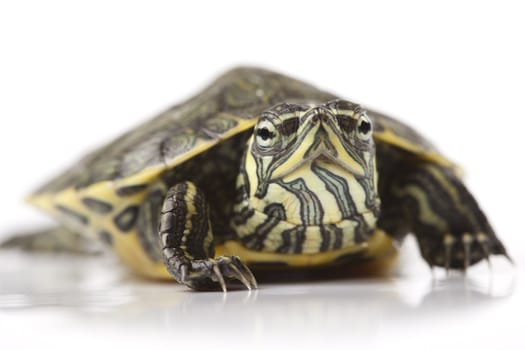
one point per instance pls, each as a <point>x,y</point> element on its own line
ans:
<point>319,118</point>
<point>317,115</point>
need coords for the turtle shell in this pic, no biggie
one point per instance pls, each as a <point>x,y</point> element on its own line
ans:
<point>229,106</point>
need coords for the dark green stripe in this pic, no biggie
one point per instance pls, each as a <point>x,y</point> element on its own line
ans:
<point>311,209</point>
<point>73,214</point>
<point>130,190</point>
<point>148,224</point>
<point>338,187</point>
<point>275,212</point>
<point>127,218</point>
<point>97,205</point>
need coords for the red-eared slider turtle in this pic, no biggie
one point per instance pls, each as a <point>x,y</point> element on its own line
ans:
<point>263,169</point>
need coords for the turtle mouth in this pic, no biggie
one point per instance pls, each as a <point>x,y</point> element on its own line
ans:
<point>327,156</point>
<point>320,156</point>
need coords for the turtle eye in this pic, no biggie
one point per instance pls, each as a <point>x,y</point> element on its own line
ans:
<point>364,127</point>
<point>265,134</point>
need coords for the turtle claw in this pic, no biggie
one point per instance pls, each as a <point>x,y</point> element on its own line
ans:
<point>249,276</point>
<point>234,268</point>
<point>459,251</point>
<point>220,278</point>
<point>448,241</point>
<point>467,242</point>
<point>485,249</point>
<point>241,277</point>
<point>208,274</point>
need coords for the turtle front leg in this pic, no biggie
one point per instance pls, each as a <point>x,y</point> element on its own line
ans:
<point>430,201</point>
<point>187,243</point>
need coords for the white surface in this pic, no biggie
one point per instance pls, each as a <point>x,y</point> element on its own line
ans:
<point>92,302</point>
<point>72,76</point>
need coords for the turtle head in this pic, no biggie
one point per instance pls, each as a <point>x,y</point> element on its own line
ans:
<point>316,163</point>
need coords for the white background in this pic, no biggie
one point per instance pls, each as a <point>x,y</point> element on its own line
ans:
<point>73,76</point>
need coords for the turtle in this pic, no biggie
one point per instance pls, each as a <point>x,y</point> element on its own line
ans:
<point>261,170</point>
